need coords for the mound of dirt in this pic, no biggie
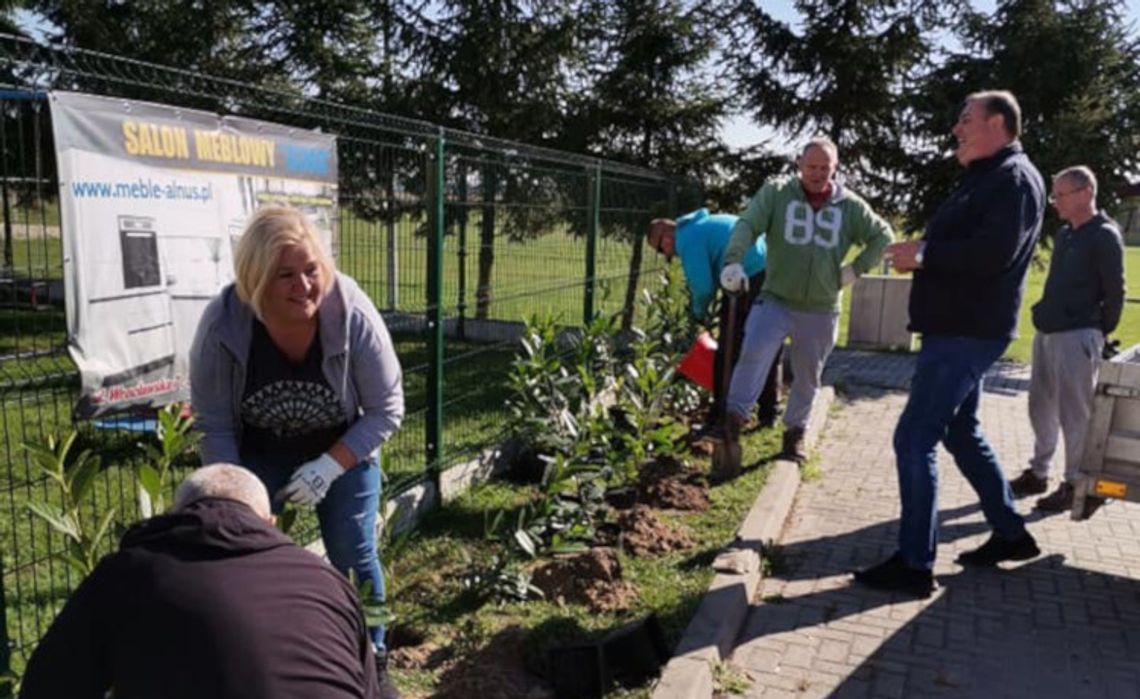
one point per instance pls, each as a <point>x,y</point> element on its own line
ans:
<point>592,578</point>
<point>672,484</point>
<point>426,656</point>
<point>690,493</point>
<point>496,671</point>
<point>644,534</point>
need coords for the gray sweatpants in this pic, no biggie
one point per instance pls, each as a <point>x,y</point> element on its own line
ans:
<point>1061,385</point>
<point>769,324</point>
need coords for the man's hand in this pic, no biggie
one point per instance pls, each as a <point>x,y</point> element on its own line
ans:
<point>733,278</point>
<point>1111,348</point>
<point>310,483</point>
<point>847,276</point>
<point>903,256</point>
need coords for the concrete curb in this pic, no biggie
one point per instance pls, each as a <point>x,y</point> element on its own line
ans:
<point>711,633</point>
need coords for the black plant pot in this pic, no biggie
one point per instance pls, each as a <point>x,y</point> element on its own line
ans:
<point>629,655</point>
<point>525,467</point>
<point>622,498</point>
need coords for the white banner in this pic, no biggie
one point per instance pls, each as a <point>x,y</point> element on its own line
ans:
<point>152,200</point>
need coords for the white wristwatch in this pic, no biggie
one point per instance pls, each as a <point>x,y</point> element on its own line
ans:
<point>918,254</point>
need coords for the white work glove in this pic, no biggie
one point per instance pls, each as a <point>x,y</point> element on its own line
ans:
<point>733,278</point>
<point>310,483</point>
<point>847,276</point>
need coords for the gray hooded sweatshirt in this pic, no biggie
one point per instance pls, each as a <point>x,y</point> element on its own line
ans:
<point>358,361</point>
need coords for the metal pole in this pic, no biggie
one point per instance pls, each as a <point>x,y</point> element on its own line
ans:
<point>461,302</point>
<point>5,644</point>
<point>392,276</point>
<point>434,423</point>
<point>9,264</point>
<point>593,217</point>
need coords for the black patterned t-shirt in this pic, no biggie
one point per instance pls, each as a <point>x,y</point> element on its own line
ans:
<point>289,412</point>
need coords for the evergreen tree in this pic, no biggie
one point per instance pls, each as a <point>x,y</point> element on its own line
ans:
<point>845,72</point>
<point>1075,69</point>
<point>650,101</point>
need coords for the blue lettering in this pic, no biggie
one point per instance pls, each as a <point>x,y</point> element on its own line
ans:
<point>303,159</point>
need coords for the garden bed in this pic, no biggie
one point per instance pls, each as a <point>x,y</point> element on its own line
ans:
<point>601,539</point>
<point>453,639</point>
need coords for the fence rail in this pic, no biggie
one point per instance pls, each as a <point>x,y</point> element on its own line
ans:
<point>458,238</point>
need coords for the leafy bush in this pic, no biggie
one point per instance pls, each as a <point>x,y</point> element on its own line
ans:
<point>74,477</point>
<point>175,440</point>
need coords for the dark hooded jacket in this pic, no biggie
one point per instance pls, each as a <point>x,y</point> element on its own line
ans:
<point>211,601</point>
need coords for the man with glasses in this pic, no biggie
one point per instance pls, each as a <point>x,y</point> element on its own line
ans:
<point>699,239</point>
<point>969,271</point>
<point>1084,295</point>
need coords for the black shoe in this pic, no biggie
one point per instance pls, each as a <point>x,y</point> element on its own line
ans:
<point>794,445</point>
<point>387,689</point>
<point>996,550</point>
<point>1092,504</point>
<point>895,575</point>
<point>1060,500</point>
<point>1028,483</point>
<point>718,431</point>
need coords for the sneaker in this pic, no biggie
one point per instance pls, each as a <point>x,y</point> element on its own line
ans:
<point>996,550</point>
<point>794,444</point>
<point>387,689</point>
<point>1028,483</point>
<point>895,575</point>
<point>1059,500</point>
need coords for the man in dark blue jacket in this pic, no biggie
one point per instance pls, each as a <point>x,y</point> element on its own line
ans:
<point>969,273</point>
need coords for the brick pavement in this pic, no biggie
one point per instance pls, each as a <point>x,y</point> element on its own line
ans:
<point>1064,625</point>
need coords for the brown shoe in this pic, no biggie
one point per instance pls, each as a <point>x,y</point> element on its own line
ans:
<point>1028,483</point>
<point>794,444</point>
<point>1059,500</point>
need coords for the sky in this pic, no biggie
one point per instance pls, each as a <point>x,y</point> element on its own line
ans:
<point>738,131</point>
<point>741,131</point>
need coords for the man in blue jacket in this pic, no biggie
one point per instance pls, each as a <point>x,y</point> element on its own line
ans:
<point>969,273</point>
<point>700,239</point>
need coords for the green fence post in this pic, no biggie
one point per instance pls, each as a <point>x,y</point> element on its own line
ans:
<point>593,217</point>
<point>5,645</point>
<point>434,422</point>
<point>461,253</point>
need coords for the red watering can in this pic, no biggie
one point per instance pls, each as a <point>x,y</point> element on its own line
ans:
<point>697,364</point>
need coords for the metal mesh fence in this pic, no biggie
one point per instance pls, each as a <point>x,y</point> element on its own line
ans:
<point>457,238</point>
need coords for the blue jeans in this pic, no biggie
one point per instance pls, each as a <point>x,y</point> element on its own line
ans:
<point>347,517</point>
<point>943,407</point>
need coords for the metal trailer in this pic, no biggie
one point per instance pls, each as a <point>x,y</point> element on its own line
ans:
<point>1110,466</point>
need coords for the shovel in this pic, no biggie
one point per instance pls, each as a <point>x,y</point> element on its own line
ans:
<point>726,453</point>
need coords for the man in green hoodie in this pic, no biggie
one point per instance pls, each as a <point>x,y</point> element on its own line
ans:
<point>811,222</point>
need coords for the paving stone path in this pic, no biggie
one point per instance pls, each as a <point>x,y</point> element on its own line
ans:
<point>1064,625</point>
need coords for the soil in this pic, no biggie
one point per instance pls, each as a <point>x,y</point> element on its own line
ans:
<point>644,534</point>
<point>496,671</point>
<point>592,578</point>
<point>672,484</point>
<point>426,656</point>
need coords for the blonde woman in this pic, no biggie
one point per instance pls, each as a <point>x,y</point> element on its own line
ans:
<point>293,376</point>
